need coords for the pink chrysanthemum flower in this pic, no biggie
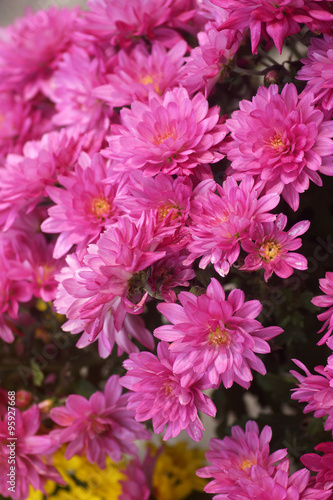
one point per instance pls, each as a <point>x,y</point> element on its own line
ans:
<point>217,336</point>
<point>318,71</point>
<point>233,458</point>
<point>208,62</point>
<point>326,286</point>
<point>139,72</point>
<point>169,399</point>
<point>281,140</point>
<point>84,206</point>
<point>276,18</point>
<point>31,48</point>
<point>316,390</point>
<point>116,267</point>
<point>323,465</point>
<point>121,23</point>
<point>172,134</point>
<point>271,248</point>
<point>30,452</point>
<point>99,426</point>
<point>73,86</point>
<point>221,218</point>
<point>112,325</point>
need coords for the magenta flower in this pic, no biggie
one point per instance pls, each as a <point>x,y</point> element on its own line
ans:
<point>317,70</point>
<point>99,426</point>
<point>276,20</point>
<point>233,458</point>
<point>221,218</point>
<point>172,134</point>
<point>139,72</point>
<point>73,86</point>
<point>121,23</point>
<point>169,399</point>
<point>282,140</point>
<point>208,62</point>
<point>31,454</point>
<point>270,248</point>
<point>323,465</point>
<point>31,48</point>
<point>218,336</point>
<point>316,390</point>
<point>326,286</point>
<point>83,207</point>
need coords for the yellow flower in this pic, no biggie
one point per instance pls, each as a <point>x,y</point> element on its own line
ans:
<point>174,475</point>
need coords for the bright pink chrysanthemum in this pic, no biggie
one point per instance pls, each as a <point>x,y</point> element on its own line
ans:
<point>139,72</point>
<point>208,62</point>
<point>169,399</point>
<point>172,134</point>
<point>84,206</point>
<point>282,140</point>
<point>121,23</point>
<point>323,465</point>
<point>233,458</point>
<point>316,390</point>
<point>217,336</point>
<point>221,218</point>
<point>276,18</point>
<point>99,426</point>
<point>318,71</point>
<point>114,268</point>
<point>138,478</point>
<point>271,248</point>
<point>73,86</point>
<point>326,286</point>
<point>31,48</point>
<point>30,454</point>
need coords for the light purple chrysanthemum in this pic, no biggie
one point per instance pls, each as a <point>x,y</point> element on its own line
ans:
<point>282,140</point>
<point>169,399</point>
<point>271,248</point>
<point>99,427</point>
<point>172,134</point>
<point>217,336</point>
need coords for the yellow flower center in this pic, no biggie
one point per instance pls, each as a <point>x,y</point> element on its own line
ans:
<point>218,337</point>
<point>147,79</point>
<point>269,250</point>
<point>101,208</point>
<point>276,141</point>
<point>164,210</point>
<point>159,138</point>
<point>246,463</point>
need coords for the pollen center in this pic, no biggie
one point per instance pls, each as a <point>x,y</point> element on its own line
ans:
<point>164,210</point>
<point>101,208</point>
<point>246,464</point>
<point>276,141</point>
<point>269,250</point>
<point>218,337</point>
<point>159,138</point>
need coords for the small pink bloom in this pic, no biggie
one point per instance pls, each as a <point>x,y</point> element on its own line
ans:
<point>217,336</point>
<point>326,286</point>
<point>316,390</point>
<point>233,458</point>
<point>275,19</point>
<point>221,218</point>
<point>172,134</point>
<point>30,451</point>
<point>271,248</point>
<point>139,72</point>
<point>169,399</point>
<point>98,427</point>
<point>322,464</point>
<point>282,140</point>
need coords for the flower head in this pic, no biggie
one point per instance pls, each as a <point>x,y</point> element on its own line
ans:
<point>169,399</point>
<point>217,336</point>
<point>172,134</point>
<point>282,140</point>
<point>326,286</point>
<point>99,426</point>
<point>270,248</point>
